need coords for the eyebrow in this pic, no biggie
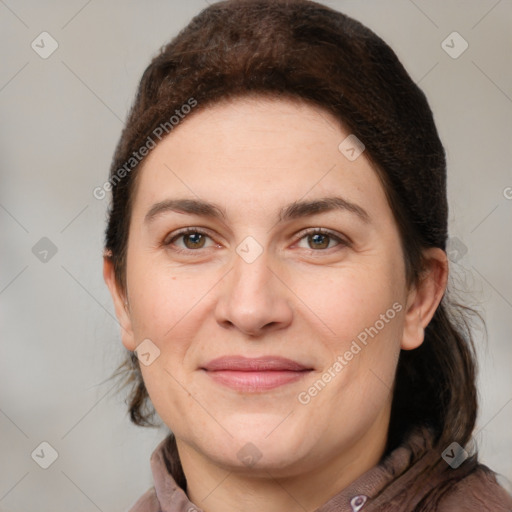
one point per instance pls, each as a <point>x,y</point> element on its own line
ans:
<point>326,204</point>
<point>295,210</point>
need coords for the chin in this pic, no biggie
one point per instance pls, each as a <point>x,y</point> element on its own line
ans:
<point>260,442</point>
<point>256,459</point>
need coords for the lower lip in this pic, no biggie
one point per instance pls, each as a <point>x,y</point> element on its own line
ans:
<point>255,381</point>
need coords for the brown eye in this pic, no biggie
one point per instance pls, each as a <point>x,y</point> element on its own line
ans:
<point>319,241</point>
<point>188,240</point>
<point>194,240</point>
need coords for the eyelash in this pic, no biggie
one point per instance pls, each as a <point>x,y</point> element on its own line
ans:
<point>311,231</point>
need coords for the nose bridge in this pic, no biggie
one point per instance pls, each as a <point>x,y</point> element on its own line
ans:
<point>251,279</point>
<point>251,298</point>
<point>251,272</point>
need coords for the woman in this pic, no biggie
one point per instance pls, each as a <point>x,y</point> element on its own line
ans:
<point>276,255</point>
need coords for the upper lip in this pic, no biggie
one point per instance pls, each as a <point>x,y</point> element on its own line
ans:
<point>255,364</point>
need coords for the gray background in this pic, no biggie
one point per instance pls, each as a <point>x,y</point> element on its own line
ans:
<point>61,118</point>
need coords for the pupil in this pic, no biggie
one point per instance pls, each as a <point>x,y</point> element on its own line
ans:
<point>195,240</point>
<point>320,241</point>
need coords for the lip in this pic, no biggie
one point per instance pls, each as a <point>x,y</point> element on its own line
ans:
<point>255,374</point>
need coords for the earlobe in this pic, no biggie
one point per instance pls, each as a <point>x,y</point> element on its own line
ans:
<point>120,304</point>
<point>424,298</point>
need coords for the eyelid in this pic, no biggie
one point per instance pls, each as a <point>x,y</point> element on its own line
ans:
<point>341,239</point>
<point>171,237</point>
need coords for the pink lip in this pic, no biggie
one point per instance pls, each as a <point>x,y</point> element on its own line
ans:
<point>255,374</point>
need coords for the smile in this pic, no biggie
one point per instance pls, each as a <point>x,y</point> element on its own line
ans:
<point>254,375</point>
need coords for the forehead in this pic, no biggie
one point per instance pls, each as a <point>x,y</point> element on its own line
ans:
<point>248,152</point>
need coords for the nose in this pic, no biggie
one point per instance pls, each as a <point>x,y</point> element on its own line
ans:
<point>253,299</point>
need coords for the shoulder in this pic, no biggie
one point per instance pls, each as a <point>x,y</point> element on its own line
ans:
<point>478,491</point>
<point>148,502</point>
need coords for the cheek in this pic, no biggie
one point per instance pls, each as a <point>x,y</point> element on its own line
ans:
<point>352,300</point>
<point>364,311</point>
<point>159,301</point>
<point>166,309</point>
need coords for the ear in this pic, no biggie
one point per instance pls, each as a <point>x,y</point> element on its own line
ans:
<point>119,298</point>
<point>424,298</point>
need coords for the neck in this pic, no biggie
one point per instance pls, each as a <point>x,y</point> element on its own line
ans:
<point>221,489</point>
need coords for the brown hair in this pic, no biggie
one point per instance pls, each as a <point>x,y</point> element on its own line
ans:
<point>303,50</point>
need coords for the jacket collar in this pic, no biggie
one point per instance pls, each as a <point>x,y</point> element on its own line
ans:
<point>388,483</point>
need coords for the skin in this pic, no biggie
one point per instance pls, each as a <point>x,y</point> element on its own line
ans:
<point>303,298</point>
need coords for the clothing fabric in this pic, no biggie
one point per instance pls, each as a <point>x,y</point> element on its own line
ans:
<point>412,478</point>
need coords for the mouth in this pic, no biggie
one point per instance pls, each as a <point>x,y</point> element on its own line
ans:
<point>255,374</point>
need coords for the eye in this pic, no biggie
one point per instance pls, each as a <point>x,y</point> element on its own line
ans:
<point>191,239</point>
<point>188,239</point>
<point>321,239</point>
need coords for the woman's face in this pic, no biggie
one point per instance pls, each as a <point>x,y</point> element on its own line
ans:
<point>278,317</point>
